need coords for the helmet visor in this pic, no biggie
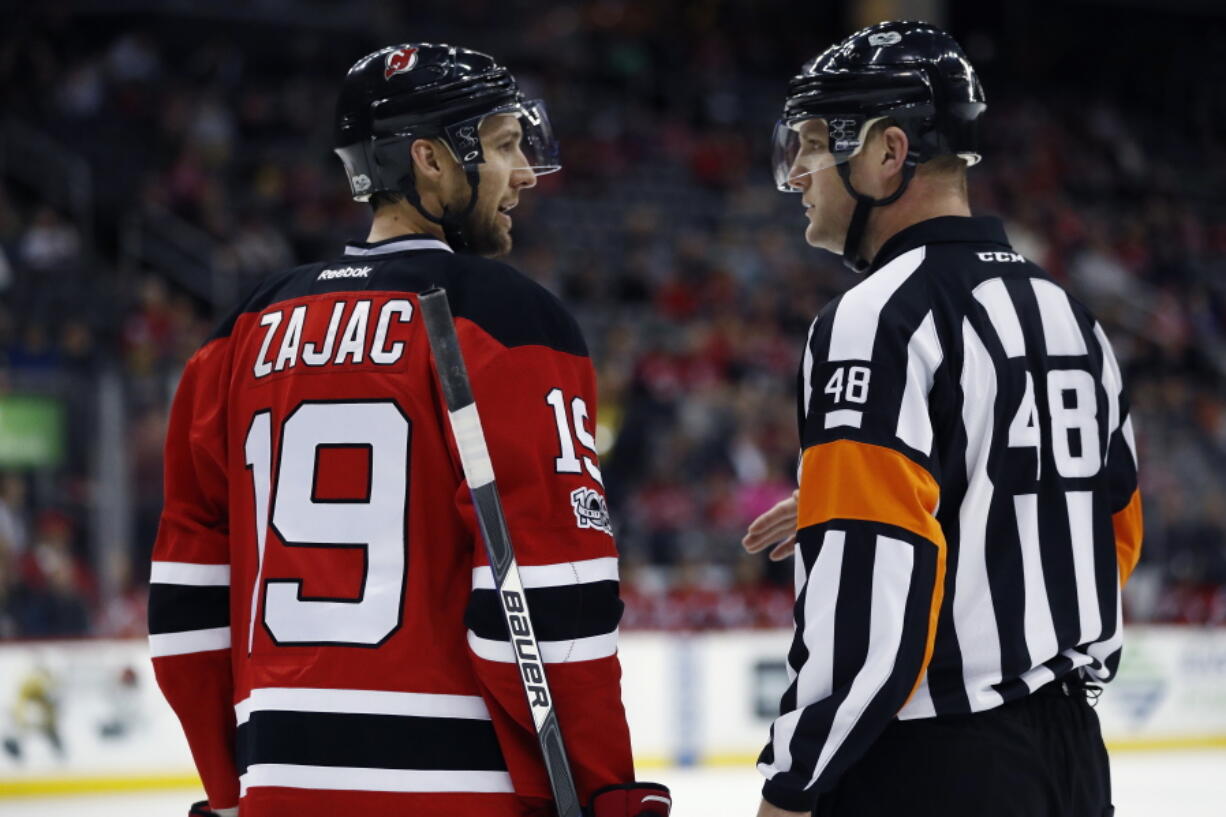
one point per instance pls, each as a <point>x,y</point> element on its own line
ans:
<point>520,130</point>
<point>802,147</point>
<point>539,146</point>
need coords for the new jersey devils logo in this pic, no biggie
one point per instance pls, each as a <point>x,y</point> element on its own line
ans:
<point>398,62</point>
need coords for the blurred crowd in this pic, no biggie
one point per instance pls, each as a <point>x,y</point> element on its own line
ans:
<point>685,267</point>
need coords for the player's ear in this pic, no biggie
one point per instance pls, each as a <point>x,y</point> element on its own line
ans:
<point>428,160</point>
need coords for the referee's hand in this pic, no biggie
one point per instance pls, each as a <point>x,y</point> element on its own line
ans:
<point>779,523</point>
<point>767,810</point>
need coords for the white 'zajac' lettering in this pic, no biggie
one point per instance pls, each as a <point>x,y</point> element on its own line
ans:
<point>262,367</point>
<point>354,339</point>
<point>357,343</point>
<point>313,357</point>
<point>378,354</point>
<point>293,338</point>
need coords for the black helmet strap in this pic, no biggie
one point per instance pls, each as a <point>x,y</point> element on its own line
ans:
<point>864,207</point>
<point>453,223</point>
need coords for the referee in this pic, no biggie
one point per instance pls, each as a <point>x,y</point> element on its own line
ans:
<point>968,505</point>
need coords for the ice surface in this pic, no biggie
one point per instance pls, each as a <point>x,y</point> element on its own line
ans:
<point>1187,783</point>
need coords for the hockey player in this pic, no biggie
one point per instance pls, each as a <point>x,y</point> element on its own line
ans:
<point>322,615</point>
<point>968,506</point>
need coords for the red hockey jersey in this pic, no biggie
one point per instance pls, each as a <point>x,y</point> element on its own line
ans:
<point>322,617</point>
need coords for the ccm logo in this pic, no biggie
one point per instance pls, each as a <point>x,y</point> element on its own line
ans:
<point>1000,256</point>
<point>529,664</point>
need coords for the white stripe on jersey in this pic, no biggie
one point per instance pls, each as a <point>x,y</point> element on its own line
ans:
<point>856,317</point>
<point>844,417</point>
<point>552,652</point>
<point>1079,659</point>
<point>361,702</point>
<point>892,564</point>
<point>1036,677</point>
<point>1081,534</point>
<point>1102,650</point>
<point>1060,328</point>
<point>806,366</point>
<point>603,569</point>
<point>190,573</point>
<point>920,705</point>
<point>339,778</point>
<point>189,641</point>
<point>1130,439</point>
<point>924,355</point>
<point>400,246</point>
<point>1041,641</point>
<point>1113,385</point>
<point>994,296</point>
<point>816,678</point>
<point>973,595</point>
<point>799,580</point>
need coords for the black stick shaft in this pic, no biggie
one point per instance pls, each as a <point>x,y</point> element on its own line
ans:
<point>474,456</point>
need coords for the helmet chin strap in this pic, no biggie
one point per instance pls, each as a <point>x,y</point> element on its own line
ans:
<point>453,223</point>
<point>864,206</point>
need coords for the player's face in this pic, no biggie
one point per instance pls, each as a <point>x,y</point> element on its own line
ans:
<point>504,175</point>
<point>828,207</point>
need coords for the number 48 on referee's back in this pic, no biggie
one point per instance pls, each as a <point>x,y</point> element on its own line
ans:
<point>1074,413</point>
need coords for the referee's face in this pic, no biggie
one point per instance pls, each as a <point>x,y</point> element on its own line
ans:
<point>828,206</point>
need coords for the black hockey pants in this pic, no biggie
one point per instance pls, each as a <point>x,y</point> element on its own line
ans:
<point>1039,756</point>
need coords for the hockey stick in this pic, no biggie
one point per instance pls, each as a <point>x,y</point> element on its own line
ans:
<point>479,471</point>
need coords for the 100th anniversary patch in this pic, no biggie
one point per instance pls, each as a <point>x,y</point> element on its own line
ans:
<point>591,510</point>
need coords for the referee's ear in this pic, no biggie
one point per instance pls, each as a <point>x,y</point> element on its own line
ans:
<point>892,149</point>
<point>879,165</point>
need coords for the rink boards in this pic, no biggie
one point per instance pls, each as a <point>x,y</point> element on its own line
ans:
<point>87,715</point>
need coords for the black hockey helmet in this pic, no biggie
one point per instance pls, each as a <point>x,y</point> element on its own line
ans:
<point>428,91</point>
<point>913,73</point>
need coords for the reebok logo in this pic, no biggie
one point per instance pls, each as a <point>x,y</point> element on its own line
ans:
<point>1006,257</point>
<point>344,272</point>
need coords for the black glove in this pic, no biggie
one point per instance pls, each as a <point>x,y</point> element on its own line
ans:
<point>632,800</point>
<point>201,809</point>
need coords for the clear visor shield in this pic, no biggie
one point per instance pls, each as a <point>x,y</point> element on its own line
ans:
<point>521,131</point>
<point>539,146</point>
<point>807,146</point>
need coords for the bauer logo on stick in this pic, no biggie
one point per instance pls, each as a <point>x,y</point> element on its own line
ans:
<point>400,62</point>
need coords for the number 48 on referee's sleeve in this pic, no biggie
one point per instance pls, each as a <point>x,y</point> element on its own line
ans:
<point>848,383</point>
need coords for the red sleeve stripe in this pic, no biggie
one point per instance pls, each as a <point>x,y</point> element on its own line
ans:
<point>188,573</point>
<point>192,641</point>
<point>603,569</point>
<point>552,652</point>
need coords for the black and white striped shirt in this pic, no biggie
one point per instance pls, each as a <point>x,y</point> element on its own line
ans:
<point>968,503</point>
